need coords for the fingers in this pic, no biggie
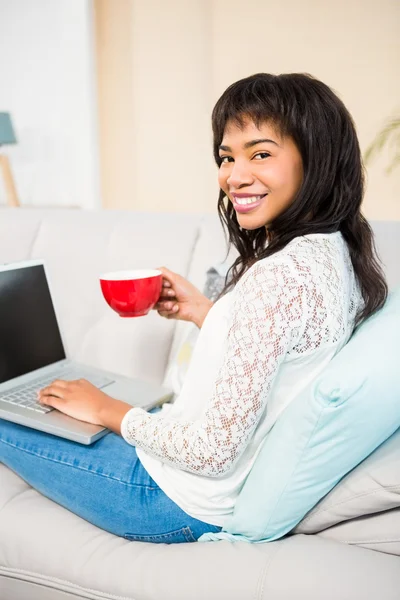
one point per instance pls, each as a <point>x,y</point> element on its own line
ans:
<point>164,271</point>
<point>60,383</point>
<point>169,313</point>
<point>54,401</point>
<point>52,390</point>
<point>166,290</point>
<point>166,306</point>
<point>168,277</point>
<point>167,293</point>
<point>58,389</point>
<point>51,395</point>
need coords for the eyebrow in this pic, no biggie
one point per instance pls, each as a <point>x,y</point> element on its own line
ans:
<point>250,144</point>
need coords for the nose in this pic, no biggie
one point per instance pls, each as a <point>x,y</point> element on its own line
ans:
<point>239,175</point>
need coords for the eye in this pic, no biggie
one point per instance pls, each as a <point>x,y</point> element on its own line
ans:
<point>261,155</point>
<point>226,159</point>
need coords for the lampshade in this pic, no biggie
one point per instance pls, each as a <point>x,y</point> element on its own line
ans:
<point>7,135</point>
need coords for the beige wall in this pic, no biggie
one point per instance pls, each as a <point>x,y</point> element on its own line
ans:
<point>113,28</point>
<point>179,56</point>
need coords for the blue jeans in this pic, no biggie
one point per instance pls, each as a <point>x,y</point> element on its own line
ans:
<point>104,483</point>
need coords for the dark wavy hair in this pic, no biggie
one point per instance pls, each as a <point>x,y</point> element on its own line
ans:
<point>308,111</point>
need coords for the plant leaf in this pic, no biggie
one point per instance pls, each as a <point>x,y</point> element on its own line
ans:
<point>381,139</point>
<point>395,162</point>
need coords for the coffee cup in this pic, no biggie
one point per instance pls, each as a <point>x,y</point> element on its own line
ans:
<point>131,293</point>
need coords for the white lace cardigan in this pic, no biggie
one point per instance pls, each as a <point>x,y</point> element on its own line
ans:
<point>259,346</point>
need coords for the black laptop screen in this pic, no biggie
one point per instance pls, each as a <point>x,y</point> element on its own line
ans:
<point>29,333</point>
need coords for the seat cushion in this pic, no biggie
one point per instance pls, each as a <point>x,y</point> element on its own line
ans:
<point>48,553</point>
<point>348,411</point>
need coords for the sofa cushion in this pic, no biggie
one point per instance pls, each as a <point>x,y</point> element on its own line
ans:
<point>373,487</point>
<point>48,553</point>
<point>210,249</point>
<point>386,235</point>
<point>186,335</point>
<point>348,411</point>
<point>380,532</point>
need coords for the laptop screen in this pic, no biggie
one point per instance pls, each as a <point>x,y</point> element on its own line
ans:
<point>29,333</point>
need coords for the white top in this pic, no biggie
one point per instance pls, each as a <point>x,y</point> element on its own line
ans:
<point>260,346</point>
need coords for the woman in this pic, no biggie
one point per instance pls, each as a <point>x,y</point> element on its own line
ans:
<point>291,181</point>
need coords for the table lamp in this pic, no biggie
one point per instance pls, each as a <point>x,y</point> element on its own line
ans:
<point>7,136</point>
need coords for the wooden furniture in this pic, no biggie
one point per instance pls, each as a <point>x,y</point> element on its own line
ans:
<point>7,136</point>
<point>9,184</point>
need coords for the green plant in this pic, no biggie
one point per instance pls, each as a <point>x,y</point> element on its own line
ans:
<point>389,135</point>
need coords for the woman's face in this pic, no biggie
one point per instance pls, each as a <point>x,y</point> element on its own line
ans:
<point>261,172</point>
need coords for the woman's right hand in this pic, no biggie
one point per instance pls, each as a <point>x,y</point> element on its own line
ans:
<point>181,300</point>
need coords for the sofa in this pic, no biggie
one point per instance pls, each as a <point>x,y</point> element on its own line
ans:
<point>346,548</point>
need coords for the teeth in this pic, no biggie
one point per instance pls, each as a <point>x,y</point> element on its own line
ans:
<point>250,200</point>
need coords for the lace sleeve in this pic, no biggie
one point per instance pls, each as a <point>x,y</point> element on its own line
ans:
<point>268,315</point>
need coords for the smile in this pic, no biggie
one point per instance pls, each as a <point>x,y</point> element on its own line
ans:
<point>246,204</point>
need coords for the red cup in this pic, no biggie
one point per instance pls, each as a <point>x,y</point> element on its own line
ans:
<point>131,293</point>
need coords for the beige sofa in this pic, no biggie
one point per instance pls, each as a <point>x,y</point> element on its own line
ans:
<point>348,547</point>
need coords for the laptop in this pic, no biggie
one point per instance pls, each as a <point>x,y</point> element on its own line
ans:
<point>32,355</point>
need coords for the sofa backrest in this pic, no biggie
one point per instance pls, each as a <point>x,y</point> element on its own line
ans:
<point>79,245</point>
<point>211,246</point>
<point>387,239</point>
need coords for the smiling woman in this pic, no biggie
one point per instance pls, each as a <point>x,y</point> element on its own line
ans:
<point>291,186</point>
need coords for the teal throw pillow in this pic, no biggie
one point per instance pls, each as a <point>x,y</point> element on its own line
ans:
<point>345,414</point>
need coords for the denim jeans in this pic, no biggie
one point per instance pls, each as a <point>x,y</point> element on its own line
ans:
<point>104,483</point>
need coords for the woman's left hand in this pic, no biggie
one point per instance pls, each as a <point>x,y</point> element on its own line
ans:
<point>78,399</point>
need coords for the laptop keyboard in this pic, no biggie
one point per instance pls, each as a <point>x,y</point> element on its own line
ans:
<point>26,395</point>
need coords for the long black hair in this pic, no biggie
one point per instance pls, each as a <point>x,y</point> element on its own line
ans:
<point>301,107</point>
